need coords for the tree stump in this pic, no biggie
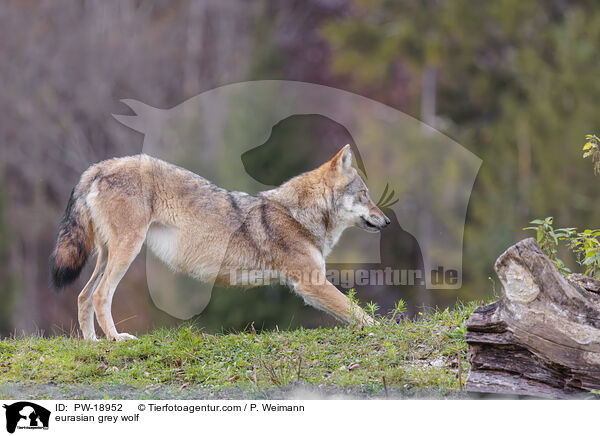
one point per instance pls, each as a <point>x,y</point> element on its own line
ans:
<point>542,337</point>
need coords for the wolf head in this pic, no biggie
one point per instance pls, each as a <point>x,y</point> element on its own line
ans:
<point>351,201</point>
<point>329,199</point>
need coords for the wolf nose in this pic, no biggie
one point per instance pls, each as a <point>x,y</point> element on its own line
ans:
<point>387,220</point>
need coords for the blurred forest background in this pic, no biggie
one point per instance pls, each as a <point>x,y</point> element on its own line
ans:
<point>513,81</point>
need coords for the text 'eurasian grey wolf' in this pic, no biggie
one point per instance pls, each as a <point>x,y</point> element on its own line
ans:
<point>208,232</point>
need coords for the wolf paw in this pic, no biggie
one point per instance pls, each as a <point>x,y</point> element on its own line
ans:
<point>89,336</point>
<point>124,337</point>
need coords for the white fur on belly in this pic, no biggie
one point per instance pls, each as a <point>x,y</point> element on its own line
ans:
<point>162,241</point>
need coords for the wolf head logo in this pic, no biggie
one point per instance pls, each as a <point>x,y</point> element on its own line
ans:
<point>424,178</point>
<point>26,414</point>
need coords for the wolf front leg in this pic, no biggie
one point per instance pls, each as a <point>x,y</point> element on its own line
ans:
<point>321,294</point>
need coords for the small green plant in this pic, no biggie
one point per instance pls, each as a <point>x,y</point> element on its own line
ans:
<point>372,309</point>
<point>584,245</point>
<point>592,149</point>
<point>399,309</point>
<point>548,237</point>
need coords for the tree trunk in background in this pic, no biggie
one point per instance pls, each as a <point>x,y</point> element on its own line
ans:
<point>525,173</point>
<point>428,108</point>
<point>542,337</point>
<point>428,95</point>
<point>192,73</point>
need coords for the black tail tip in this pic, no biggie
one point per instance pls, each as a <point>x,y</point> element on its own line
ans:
<point>61,276</point>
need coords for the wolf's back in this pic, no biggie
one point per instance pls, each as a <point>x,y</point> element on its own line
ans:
<point>74,241</point>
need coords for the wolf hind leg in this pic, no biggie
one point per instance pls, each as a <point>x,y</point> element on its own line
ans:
<point>120,255</point>
<point>84,300</point>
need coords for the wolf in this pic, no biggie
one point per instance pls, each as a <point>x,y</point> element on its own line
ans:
<point>208,232</point>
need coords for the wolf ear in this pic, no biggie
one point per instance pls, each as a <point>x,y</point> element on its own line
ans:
<point>342,161</point>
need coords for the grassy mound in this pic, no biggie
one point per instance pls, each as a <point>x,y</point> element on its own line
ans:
<point>426,354</point>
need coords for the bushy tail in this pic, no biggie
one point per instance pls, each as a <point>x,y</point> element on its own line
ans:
<point>73,245</point>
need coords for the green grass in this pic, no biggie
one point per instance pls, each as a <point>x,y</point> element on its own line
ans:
<point>422,354</point>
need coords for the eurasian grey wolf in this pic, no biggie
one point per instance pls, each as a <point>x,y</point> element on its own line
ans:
<point>208,232</point>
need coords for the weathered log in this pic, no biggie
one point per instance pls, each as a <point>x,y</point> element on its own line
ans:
<point>542,337</point>
<point>585,282</point>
